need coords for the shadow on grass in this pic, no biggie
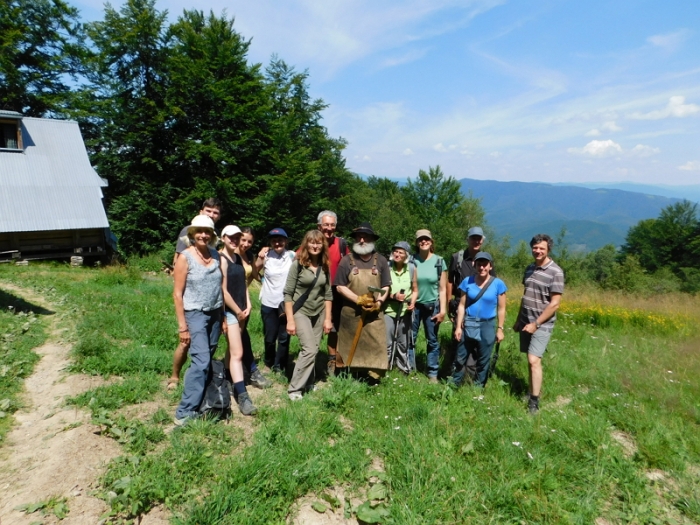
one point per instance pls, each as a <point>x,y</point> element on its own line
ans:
<point>9,301</point>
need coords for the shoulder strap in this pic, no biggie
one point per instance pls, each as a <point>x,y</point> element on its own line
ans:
<point>302,298</point>
<point>460,258</point>
<point>488,283</point>
<point>342,246</point>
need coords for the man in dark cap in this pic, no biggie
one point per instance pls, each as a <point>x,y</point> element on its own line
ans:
<point>362,334</point>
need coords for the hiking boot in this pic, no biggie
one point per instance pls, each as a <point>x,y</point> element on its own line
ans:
<point>533,406</point>
<point>245,405</point>
<point>260,381</point>
<point>295,396</point>
<point>330,366</point>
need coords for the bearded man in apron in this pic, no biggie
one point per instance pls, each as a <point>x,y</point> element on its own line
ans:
<point>357,272</point>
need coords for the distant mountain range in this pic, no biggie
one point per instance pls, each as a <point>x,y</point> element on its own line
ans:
<point>592,217</point>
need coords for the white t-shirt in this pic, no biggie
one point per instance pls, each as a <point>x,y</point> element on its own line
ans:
<point>275,277</point>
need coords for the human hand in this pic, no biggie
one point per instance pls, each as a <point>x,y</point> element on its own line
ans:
<point>263,252</point>
<point>438,318</point>
<point>411,306</point>
<point>458,333</point>
<point>327,326</point>
<point>185,337</point>
<point>291,327</point>
<point>530,328</point>
<point>500,336</point>
<point>400,296</point>
<point>241,315</point>
<point>367,302</point>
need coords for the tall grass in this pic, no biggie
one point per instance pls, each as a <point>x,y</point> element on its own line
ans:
<point>616,364</point>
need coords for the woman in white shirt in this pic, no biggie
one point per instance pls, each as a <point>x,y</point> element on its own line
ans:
<point>275,261</point>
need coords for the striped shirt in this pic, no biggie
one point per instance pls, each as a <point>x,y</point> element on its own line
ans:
<point>540,283</point>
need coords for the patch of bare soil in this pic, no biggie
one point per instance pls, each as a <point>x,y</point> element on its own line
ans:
<point>629,447</point>
<point>53,449</point>
<point>315,509</point>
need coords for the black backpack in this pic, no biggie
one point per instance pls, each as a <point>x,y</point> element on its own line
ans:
<point>216,403</point>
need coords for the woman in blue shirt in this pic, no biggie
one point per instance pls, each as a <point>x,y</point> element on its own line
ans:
<point>482,310</point>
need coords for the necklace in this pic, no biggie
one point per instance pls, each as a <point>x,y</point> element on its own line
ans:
<point>205,261</point>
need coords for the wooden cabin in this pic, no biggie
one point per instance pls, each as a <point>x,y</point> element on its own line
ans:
<point>50,196</point>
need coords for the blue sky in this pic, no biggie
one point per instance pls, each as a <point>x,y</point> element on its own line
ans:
<point>539,90</point>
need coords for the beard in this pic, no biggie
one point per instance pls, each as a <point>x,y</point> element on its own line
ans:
<point>363,249</point>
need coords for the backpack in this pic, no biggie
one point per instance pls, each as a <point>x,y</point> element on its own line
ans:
<point>216,403</point>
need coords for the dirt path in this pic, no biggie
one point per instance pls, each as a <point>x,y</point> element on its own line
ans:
<point>53,449</point>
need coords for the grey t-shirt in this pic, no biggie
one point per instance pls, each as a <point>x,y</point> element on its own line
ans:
<point>540,283</point>
<point>203,285</point>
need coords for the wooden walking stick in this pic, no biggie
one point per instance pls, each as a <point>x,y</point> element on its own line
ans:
<point>358,332</point>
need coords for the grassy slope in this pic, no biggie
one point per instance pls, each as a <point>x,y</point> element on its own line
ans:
<point>450,456</point>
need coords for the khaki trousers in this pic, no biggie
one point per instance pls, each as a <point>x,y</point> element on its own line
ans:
<point>309,332</point>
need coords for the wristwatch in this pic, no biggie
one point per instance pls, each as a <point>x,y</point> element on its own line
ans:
<point>537,325</point>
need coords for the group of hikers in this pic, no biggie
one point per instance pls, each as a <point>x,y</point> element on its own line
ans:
<point>371,308</point>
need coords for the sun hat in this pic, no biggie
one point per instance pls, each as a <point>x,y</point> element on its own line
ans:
<point>365,228</point>
<point>424,233</point>
<point>230,230</point>
<point>476,230</point>
<point>277,232</point>
<point>403,245</point>
<point>483,255</point>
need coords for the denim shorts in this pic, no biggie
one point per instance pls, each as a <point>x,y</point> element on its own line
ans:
<point>231,318</point>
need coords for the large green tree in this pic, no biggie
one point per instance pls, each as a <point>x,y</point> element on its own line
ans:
<point>41,47</point>
<point>438,204</point>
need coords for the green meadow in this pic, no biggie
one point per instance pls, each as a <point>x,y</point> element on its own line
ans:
<point>616,440</point>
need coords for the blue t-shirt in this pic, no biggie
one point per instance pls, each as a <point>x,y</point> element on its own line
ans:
<point>486,307</point>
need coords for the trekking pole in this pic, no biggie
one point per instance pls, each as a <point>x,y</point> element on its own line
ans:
<point>396,334</point>
<point>494,359</point>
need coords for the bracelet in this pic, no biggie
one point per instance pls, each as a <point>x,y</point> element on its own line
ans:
<point>184,330</point>
<point>500,328</point>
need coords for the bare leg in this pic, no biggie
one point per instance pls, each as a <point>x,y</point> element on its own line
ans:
<point>179,359</point>
<point>235,353</point>
<point>535,364</point>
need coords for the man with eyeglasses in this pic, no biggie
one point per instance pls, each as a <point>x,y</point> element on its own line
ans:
<point>337,249</point>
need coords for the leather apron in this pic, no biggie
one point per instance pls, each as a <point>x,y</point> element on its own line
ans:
<point>371,347</point>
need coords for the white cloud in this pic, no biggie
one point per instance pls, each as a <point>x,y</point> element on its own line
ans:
<point>669,41</point>
<point>408,151</point>
<point>611,126</point>
<point>329,36</point>
<point>444,149</point>
<point>691,165</point>
<point>640,150</point>
<point>676,108</point>
<point>593,133</point>
<point>495,154</point>
<point>598,148</point>
<point>406,58</point>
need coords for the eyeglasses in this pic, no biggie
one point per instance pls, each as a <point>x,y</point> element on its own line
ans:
<point>424,239</point>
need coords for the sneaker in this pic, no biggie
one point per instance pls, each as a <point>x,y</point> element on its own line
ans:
<point>295,396</point>
<point>260,381</point>
<point>182,421</point>
<point>533,406</point>
<point>433,380</point>
<point>245,405</point>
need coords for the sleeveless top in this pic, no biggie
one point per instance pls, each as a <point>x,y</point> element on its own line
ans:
<point>203,285</point>
<point>235,282</point>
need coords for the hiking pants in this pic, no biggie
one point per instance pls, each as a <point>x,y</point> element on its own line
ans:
<point>204,328</point>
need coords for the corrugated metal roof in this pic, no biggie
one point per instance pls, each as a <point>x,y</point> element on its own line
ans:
<point>51,184</point>
<point>6,113</point>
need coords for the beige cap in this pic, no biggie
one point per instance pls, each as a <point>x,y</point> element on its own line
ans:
<point>424,233</point>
